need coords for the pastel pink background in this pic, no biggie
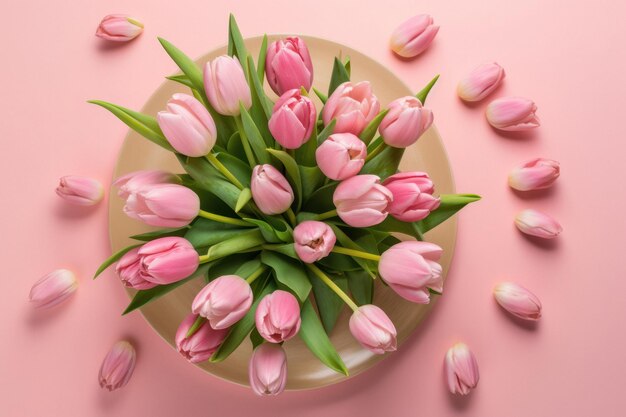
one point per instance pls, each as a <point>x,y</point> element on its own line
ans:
<point>567,56</point>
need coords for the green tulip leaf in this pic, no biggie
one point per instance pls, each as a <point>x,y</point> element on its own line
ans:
<point>261,60</point>
<point>339,76</point>
<point>114,258</point>
<point>329,304</point>
<point>244,197</point>
<point>361,286</point>
<point>205,232</point>
<point>181,79</point>
<point>421,96</point>
<point>243,241</point>
<point>146,237</point>
<point>288,272</point>
<point>236,45</point>
<point>372,127</point>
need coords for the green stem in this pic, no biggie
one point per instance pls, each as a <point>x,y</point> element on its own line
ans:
<point>203,258</point>
<point>245,142</point>
<point>418,231</point>
<point>291,216</point>
<point>321,275</point>
<point>196,325</point>
<point>223,170</point>
<point>327,215</point>
<point>376,151</point>
<point>223,219</point>
<point>256,274</point>
<point>356,253</point>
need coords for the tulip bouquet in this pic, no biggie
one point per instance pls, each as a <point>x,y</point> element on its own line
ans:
<point>286,213</point>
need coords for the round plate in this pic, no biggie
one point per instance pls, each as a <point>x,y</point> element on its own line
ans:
<point>305,370</point>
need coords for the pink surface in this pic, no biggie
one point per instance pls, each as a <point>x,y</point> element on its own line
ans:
<point>567,57</point>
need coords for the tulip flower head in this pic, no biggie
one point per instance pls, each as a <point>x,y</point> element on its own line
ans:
<point>481,82</point>
<point>373,329</point>
<point>352,105</point>
<point>199,346</point>
<point>461,369</point>
<point>413,198</point>
<point>288,65</point>
<point>53,288</point>
<point>406,122</point>
<point>223,301</point>
<point>518,301</point>
<point>538,224</point>
<point>512,114</point>
<point>293,119</point>
<point>80,191</point>
<point>118,366</point>
<point>341,156</point>
<point>270,190</point>
<point>226,86</point>
<point>268,369</point>
<point>313,240</point>
<point>133,182</point>
<point>163,205</point>
<point>277,316</point>
<point>361,201</point>
<point>536,174</point>
<point>413,36</point>
<point>119,28</point>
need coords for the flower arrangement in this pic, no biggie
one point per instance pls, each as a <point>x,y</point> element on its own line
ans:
<point>280,207</point>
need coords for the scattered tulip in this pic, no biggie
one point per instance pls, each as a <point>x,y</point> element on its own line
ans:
<point>512,114</point>
<point>226,86</point>
<point>118,366</point>
<point>53,288</point>
<point>270,190</point>
<point>461,369</point>
<point>361,201</point>
<point>202,343</point>
<point>288,65</point>
<point>80,191</point>
<point>341,156</point>
<point>518,301</point>
<point>163,205</point>
<point>223,301</point>
<point>406,122</point>
<point>373,329</point>
<point>119,28</point>
<point>293,119</point>
<point>268,369</point>
<point>353,105</point>
<point>536,223</point>
<point>413,198</point>
<point>133,182</point>
<point>536,174</point>
<point>413,36</point>
<point>277,316</point>
<point>481,82</point>
<point>313,240</point>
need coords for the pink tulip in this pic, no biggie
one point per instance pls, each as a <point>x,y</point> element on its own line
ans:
<point>223,301</point>
<point>119,28</point>
<point>159,262</point>
<point>163,205</point>
<point>341,156</point>
<point>278,316</point>
<point>512,114</point>
<point>461,369</point>
<point>413,198</point>
<point>226,86</point>
<point>188,125</point>
<point>293,119</point>
<point>361,201</point>
<point>536,223</point>
<point>313,240</point>
<point>80,191</point>
<point>405,123</point>
<point>53,288</point>
<point>288,65</point>
<point>118,366</point>
<point>411,269</point>
<point>202,343</point>
<point>353,106</point>
<point>518,301</point>
<point>133,182</point>
<point>413,36</point>
<point>373,329</point>
<point>270,190</point>
<point>268,369</point>
<point>536,174</point>
<point>481,82</point>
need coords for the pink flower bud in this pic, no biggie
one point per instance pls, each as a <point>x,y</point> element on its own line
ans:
<point>373,329</point>
<point>413,36</point>
<point>406,121</point>
<point>512,114</point>
<point>535,223</point>
<point>80,191</point>
<point>268,369</point>
<point>288,65</point>
<point>313,240</point>
<point>131,183</point>
<point>119,28</point>
<point>202,343</point>
<point>159,262</point>
<point>481,82</point>
<point>223,301</point>
<point>411,269</point>
<point>536,174</point>
<point>118,366</point>
<point>53,288</point>
<point>413,198</point>
<point>163,205</point>
<point>188,125</point>
<point>518,301</point>
<point>341,156</point>
<point>226,86</point>
<point>278,316</point>
<point>361,201</point>
<point>353,105</point>
<point>270,190</point>
<point>293,119</point>
<point>461,369</point>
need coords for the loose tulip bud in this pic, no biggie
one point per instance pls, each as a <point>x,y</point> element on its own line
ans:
<point>313,240</point>
<point>277,316</point>
<point>163,205</point>
<point>131,183</point>
<point>293,119</point>
<point>361,201</point>
<point>535,223</point>
<point>268,369</point>
<point>413,36</point>
<point>518,301</point>
<point>202,343</point>
<point>341,156</point>
<point>118,366</point>
<point>373,329</point>
<point>413,198</point>
<point>188,125</point>
<point>411,269</point>
<point>537,174</point>
<point>80,191</point>
<point>461,369</point>
<point>512,114</point>
<point>159,262</point>
<point>270,190</point>
<point>225,85</point>
<point>353,105</point>
<point>406,121</point>
<point>481,82</point>
<point>288,65</point>
<point>119,28</point>
<point>223,301</point>
<point>53,288</point>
